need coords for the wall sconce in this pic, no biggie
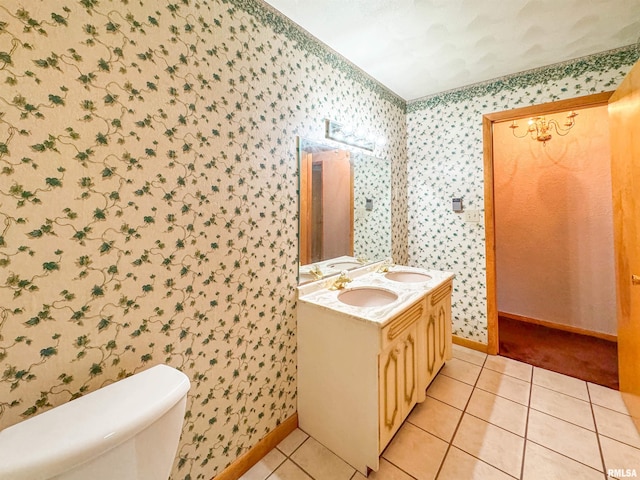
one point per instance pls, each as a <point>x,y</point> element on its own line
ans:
<point>540,128</point>
<point>348,135</point>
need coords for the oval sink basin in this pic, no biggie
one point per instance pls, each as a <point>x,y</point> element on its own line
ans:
<point>367,297</point>
<point>345,265</point>
<point>407,277</point>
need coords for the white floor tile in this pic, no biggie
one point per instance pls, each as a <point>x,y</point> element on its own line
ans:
<point>560,383</point>
<point>265,467</point>
<point>321,463</point>
<point>619,456</point>
<point>436,417</point>
<point>508,366</point>
<point>289,471</point>
<point>450,391</point>
<point>468,355</point>
<point>387,471</point>
<point>543,464</point>
<point>460,465</point>
<point>498,411</point>
<point>608,398</point>
<point>566,438</point>
<point>491,444</point>
<point>460,370</point>
<point>617,426</point>
<point>563,406</point>
<point>505,386</point>
<point>293,441</point>
<point>416,452</point>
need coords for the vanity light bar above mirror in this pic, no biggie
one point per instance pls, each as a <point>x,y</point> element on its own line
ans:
<point>350,136</point>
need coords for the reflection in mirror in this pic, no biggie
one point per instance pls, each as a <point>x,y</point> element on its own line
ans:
<point>345,209</point>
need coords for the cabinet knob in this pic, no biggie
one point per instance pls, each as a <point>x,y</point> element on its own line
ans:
<point>635,279</point>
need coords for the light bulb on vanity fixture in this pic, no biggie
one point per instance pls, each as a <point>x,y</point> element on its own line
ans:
<point>356,137</point>
<point>540,128</point>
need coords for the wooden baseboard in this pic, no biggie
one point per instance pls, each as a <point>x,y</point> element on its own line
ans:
<point>558,326</point>
<point>472,344</point>
<point>259,450</point>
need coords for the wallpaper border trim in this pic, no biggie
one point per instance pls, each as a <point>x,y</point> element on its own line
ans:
<point>304,40</point>
<point>610,59</point>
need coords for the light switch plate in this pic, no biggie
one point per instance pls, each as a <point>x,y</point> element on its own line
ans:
<point>473,216</point>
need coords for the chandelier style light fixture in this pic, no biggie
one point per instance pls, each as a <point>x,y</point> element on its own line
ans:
<point>540,128</point>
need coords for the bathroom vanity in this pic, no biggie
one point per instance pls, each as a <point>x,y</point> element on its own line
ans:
<point>367,353</point>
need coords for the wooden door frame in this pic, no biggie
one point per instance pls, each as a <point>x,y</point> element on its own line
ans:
<point>488,120</point>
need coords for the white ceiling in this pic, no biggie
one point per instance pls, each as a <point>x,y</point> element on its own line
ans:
<point>420,47</point>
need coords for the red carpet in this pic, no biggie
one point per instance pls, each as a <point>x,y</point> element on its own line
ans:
<point>592,359</point>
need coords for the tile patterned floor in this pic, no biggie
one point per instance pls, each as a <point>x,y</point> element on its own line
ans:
<point>487,418</point>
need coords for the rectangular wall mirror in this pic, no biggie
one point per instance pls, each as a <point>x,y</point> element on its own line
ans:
<point>345,209</point>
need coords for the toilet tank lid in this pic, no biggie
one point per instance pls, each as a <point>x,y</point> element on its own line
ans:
<point>75,432</point>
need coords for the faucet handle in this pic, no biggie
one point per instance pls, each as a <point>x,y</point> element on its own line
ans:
<point>341,281</point>
<point>386,264</point>
<point>316,272</point>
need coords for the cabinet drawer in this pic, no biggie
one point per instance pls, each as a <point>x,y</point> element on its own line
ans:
<point>441,293</point>
<point>401,322</point>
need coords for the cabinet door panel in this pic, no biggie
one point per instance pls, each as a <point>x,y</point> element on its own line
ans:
<point>431,345</point>
<point>410,361</point>
<point>389,395</point>
<point>442,330</point>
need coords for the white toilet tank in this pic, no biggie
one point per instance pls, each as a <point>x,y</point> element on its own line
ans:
<point>128,430</point>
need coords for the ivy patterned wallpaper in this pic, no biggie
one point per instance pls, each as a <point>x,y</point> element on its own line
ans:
<point>445,160</point>
<point>148,203</point>
<point>372,228</point>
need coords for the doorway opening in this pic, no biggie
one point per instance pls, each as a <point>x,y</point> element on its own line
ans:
<point>532,214</point>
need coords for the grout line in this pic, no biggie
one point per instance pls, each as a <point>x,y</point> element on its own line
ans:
<point>595,425</point>
<point>526,427</point>
<point>562,419</point>
<point>506,398</point>
<point>507,374</point>
<point>498,426</point>
<point>425,431</point>
<point>563,393</point>
<point>301,443</point>
<point>288,457</point>
<point>617,440</point>
<point>565,456</point>
<point>485,462</point>
<point>277,466</point>
<point>399,468</point>
<point>455,432</point>
<point>611,409</point>
<point>300,467</point>
<point>461,381</point>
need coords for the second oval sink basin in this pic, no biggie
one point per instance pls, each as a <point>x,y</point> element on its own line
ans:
<point>367,297</point>
<point>407,277</point>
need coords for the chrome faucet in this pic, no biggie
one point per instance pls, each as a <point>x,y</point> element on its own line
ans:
<point>341,281</point>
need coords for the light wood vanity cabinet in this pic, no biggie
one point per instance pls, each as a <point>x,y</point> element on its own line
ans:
<point>437,331</point>
<point>357,382</point>
<point>398,372</point>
